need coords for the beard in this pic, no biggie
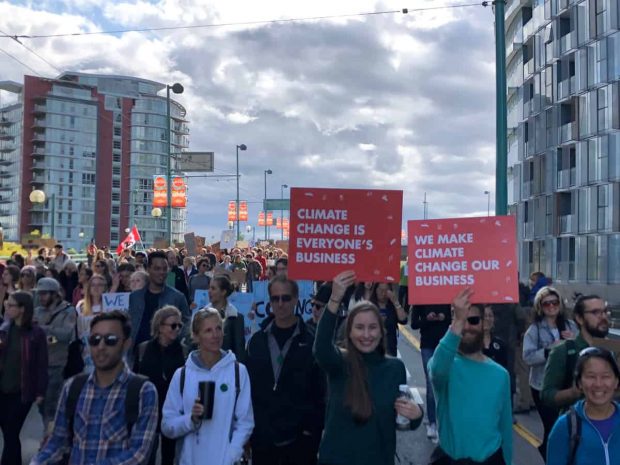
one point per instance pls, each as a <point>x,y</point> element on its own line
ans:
<point>597,331</point>
<point>473,345</point>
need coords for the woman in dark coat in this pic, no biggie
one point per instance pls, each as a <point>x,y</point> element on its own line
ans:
<point>23,371</point>
<point>158,359</point>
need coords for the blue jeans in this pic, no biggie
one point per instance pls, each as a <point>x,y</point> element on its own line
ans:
<point>430,397</point>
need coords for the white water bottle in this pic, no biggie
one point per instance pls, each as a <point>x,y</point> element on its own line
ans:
<point>401,421</point>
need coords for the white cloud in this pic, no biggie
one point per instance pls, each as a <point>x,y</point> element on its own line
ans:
<point>395,101</point>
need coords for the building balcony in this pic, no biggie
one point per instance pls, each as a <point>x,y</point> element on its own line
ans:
<point>38,152</point>
<point>528,69</point>
<point>39,108</point>
<point>566,88</point>
<point>5,148</point>
<point>4,121</point>
<point>568,42</point>
<point>529,29</point>
<point>5,199</point>
<point>38,166</point>
<point>567,178</point>
<point>5,135</point>
<point>568,132</point>
<point>37,179</point>
<point>567,224</point>
<point>38,137</point>
<point>39,123</point>
<point>6,212</point>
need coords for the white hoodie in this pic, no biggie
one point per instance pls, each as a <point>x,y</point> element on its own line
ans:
<point>209,443</point>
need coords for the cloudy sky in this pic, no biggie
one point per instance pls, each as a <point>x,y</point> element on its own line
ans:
<point>387,101</point>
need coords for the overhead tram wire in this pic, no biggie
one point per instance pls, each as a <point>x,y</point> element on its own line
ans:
<point>246,23</point>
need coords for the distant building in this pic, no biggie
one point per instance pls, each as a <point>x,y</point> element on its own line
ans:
<point>563,66</point>
<point>92,144</point>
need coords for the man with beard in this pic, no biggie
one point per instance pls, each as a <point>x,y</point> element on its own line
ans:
<point>99,429</point>
<point>472,391</point>
<point>559,390</point>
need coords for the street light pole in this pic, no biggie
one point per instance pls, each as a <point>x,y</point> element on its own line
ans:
<point>282,187</point>
<point>177,89</point>
<point>241,147</point>
<point>53,225</point>
<point>488,194</point>
<point>264,209</point>
<point>501,122</point>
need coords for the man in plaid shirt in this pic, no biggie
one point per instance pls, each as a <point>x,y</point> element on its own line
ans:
<point>100,434</point>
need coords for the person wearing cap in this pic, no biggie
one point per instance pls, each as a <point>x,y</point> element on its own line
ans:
<point>319,301</point>
<point>57,318</point>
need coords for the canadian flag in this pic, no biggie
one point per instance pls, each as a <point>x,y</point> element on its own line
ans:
<point>129,241</point>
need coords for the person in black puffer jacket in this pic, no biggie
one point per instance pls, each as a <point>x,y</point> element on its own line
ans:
<point>158,359</point>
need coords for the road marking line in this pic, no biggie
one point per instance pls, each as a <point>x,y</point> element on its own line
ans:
<point>527,435</point>
<point>521,430</point>
<point>405,331</point>
<point>406,369</point>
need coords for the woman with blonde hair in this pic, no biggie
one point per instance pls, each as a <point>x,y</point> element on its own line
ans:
<point>158,359</point>
<point>224,425</point>
<point>87,308</point>
<point>550,327</point>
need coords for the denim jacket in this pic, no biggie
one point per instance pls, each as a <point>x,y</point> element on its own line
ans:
<point>537,338</point>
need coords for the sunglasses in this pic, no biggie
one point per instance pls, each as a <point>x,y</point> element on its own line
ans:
<point>109,339</point>
<point>550,303</point>
<point>318,304</point>
<point>173,326</point>
<point>280,298</point>
<point>473,320</point>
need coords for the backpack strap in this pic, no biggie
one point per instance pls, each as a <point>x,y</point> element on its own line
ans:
<point>571,361</point>
<point>574,431</point>
<point>75,389</point>
<point>237,392</point>
<point>132,400</point>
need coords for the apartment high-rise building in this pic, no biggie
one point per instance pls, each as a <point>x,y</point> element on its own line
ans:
<point>563,71</point>
<point>92,144</point>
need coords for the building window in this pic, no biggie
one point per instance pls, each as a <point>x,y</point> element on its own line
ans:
<point>602,205</point>
<point>116,197</point>
<point>115,209</point>
<point>117,131</point>
<point>116,144</point>
<point>114,237</point>
<point>116,170</point>
<point>88,178</point>
<point>116,157</point>
<point>116,183</point>
<point>114,223</point>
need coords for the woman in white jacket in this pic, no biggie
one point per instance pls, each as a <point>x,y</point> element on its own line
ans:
<point>219,440</point>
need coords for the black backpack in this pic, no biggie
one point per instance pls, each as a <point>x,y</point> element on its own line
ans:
<point>132,405</point>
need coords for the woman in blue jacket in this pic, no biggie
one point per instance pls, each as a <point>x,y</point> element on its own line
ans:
<point>596,419</point>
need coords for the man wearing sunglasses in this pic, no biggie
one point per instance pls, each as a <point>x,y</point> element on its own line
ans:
<point>101,433</point>
<point>592,317</point>
<point>318,302</point>
<point>287,393</point>
<point>474,412</point>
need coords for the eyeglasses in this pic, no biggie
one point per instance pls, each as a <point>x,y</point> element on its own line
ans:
<point>173,326</point>
<point>109,339</point>
<point>599,312</point>
<point>550,303</point>
<point>473,320</point>
<point>280,298</point>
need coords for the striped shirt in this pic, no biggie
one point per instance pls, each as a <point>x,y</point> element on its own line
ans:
<point>100,433</point>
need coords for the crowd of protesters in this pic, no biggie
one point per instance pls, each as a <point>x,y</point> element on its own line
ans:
<point>170,382</point>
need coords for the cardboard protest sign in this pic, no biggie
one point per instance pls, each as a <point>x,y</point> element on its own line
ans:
<point>115,301</point>
<point>446,256</point>
<point>333,230</point>
<point>161,243</point>
<point>227,240</point>
<point>191,244</point>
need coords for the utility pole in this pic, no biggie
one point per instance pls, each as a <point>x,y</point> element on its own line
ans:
<point>425,203</point>
<point>501,119</point>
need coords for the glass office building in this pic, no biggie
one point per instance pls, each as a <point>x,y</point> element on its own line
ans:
<point>92,144</point>
<point>563,71</point>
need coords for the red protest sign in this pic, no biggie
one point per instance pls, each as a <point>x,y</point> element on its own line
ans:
<point>333,230</point>
<point>448,255</point>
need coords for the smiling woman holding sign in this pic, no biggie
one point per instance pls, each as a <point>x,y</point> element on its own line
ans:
<point>364,386</point>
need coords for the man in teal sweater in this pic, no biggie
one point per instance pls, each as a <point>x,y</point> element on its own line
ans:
<point>473,392</point>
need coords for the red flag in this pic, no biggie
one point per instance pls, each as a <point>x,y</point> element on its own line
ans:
<point>129,241</point>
